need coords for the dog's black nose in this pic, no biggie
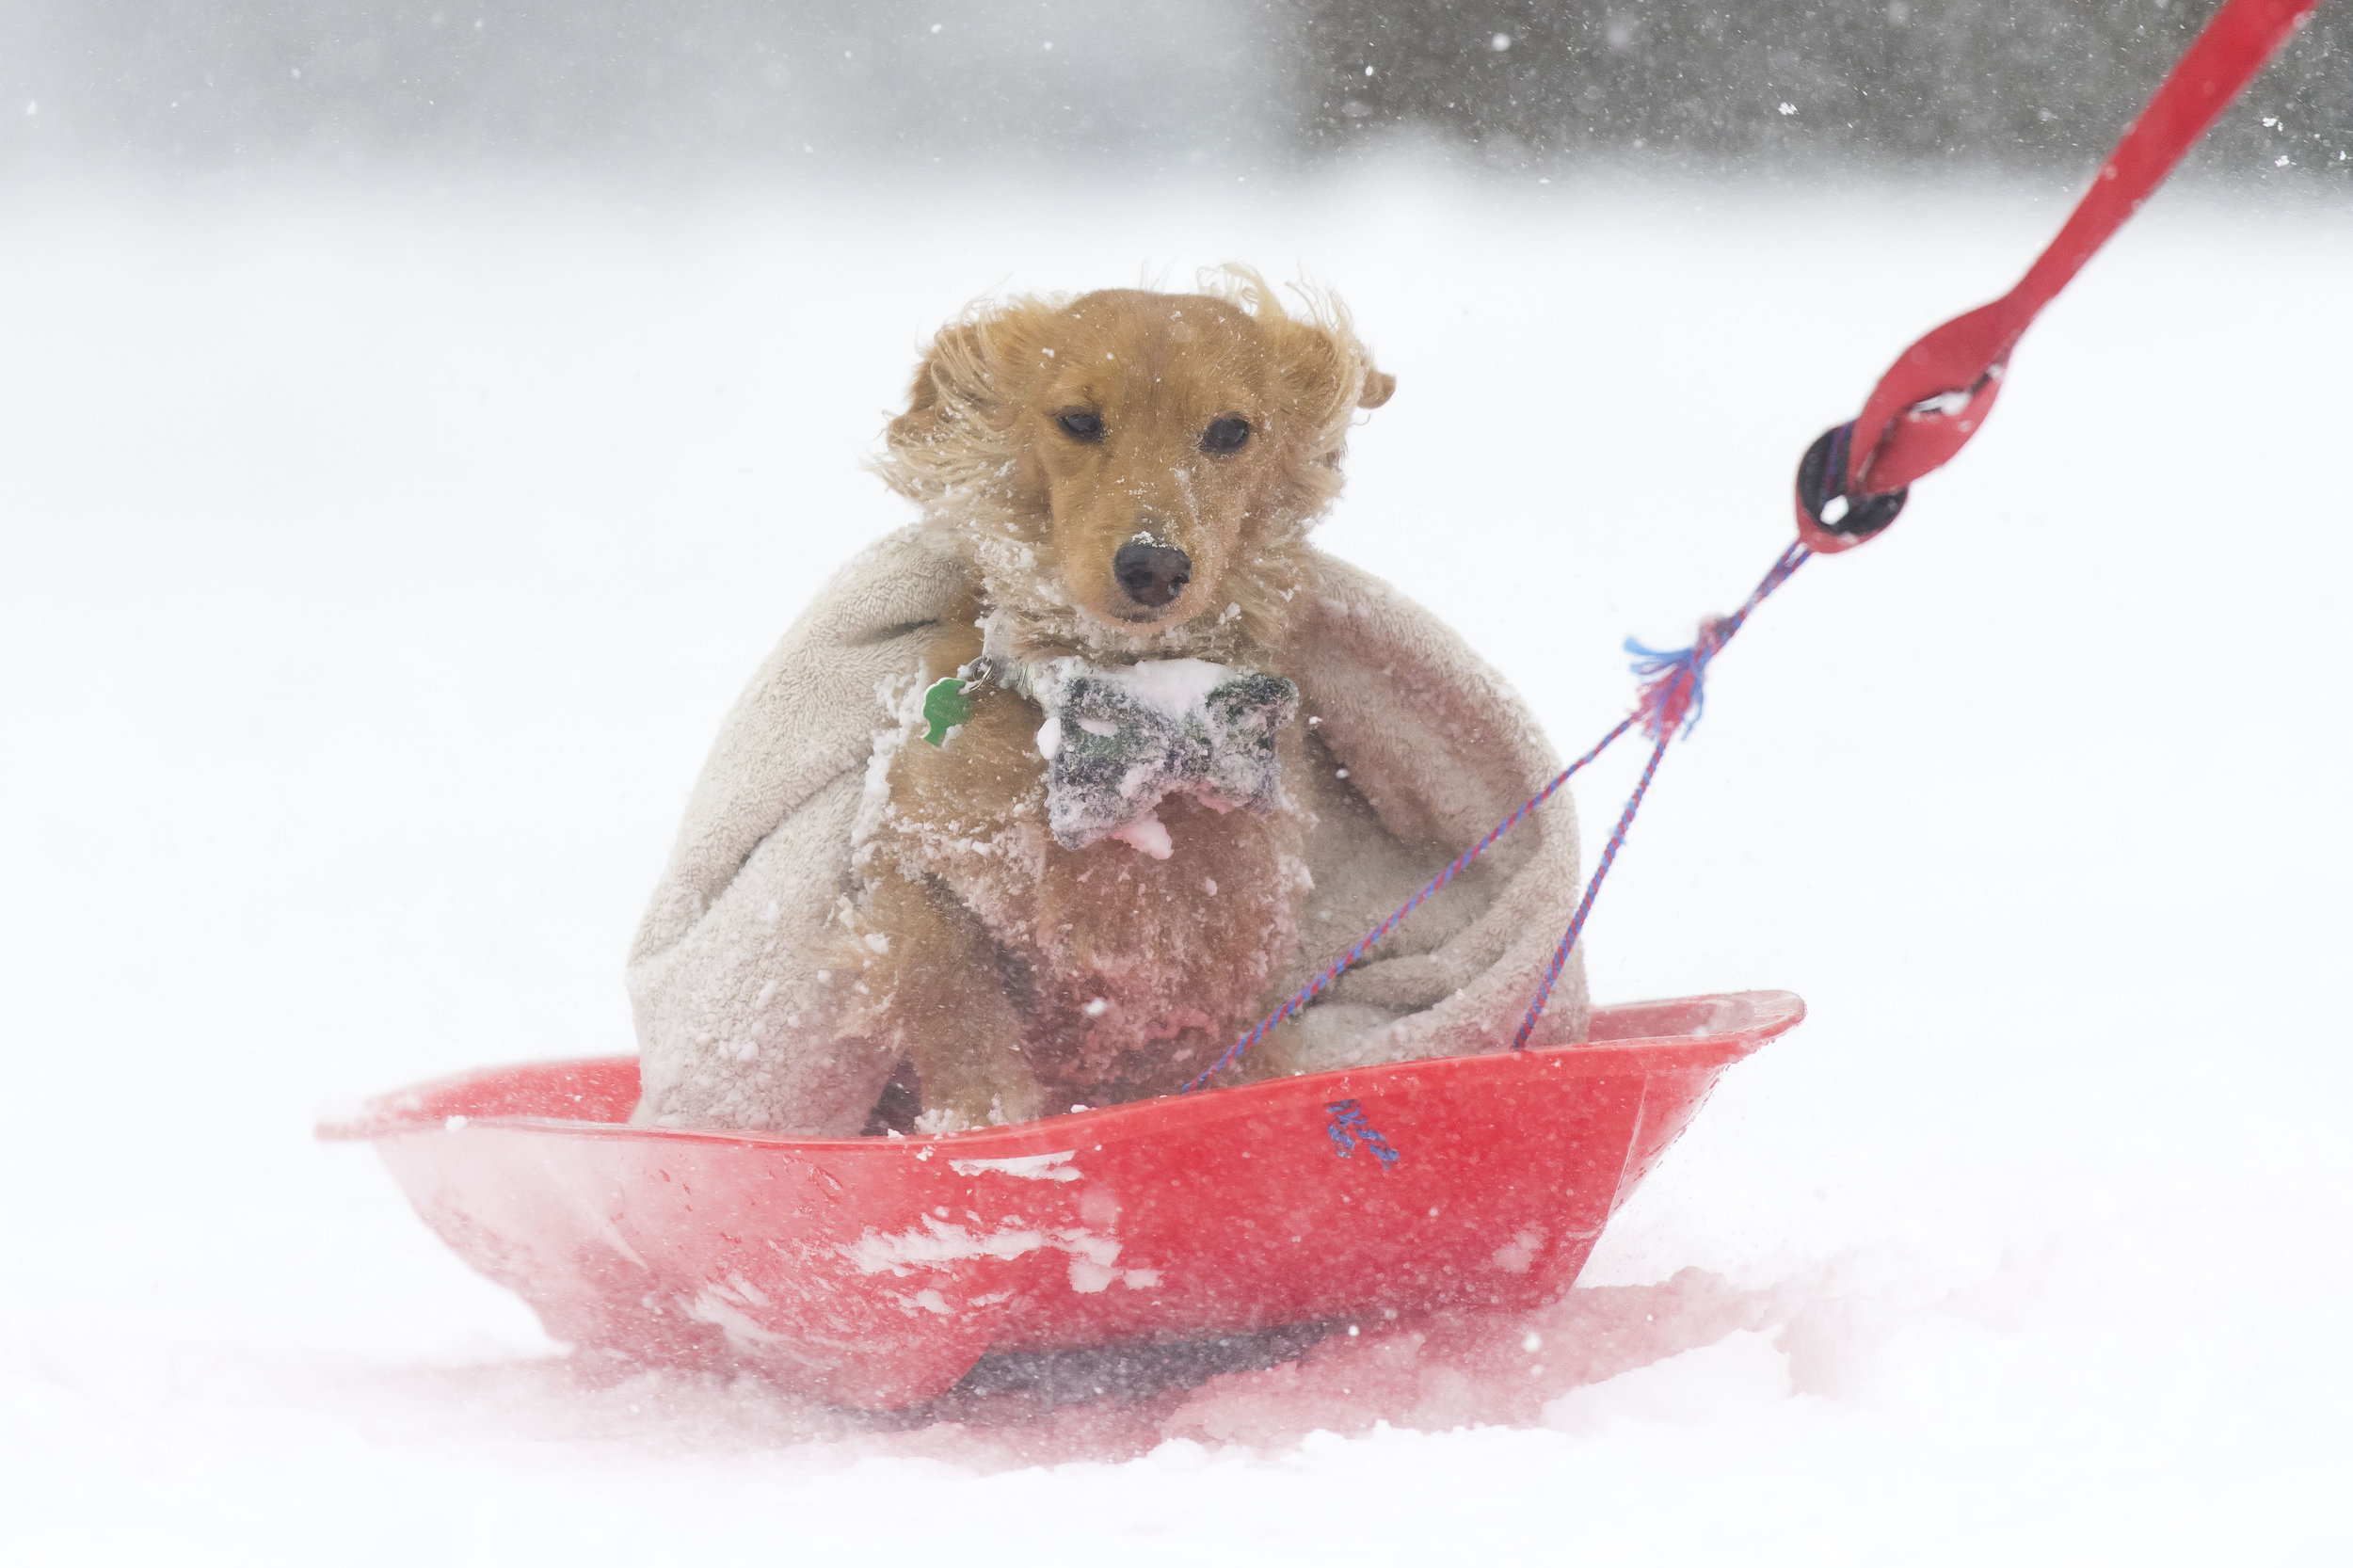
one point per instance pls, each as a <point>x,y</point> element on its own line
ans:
<point>1152,574</point>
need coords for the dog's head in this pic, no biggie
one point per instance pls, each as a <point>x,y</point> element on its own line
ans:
<point>1133,471</point>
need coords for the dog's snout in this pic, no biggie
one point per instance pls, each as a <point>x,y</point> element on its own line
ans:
<point>1151,574</point>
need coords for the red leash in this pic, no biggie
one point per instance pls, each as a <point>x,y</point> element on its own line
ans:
<point>1938,391</point>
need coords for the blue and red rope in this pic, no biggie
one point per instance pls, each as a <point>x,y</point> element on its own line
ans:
<point>1673,690</point>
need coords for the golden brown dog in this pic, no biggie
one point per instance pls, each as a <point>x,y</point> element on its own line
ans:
<point>1131,476</point>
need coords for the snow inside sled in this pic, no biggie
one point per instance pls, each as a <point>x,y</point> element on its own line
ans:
<point>875,1271</point>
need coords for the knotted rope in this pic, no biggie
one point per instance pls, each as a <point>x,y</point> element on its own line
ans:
<point>1671,694</point>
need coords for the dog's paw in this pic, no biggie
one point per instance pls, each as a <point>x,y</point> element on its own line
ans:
<point>1019,1097</point>
<point>1020,1100</point>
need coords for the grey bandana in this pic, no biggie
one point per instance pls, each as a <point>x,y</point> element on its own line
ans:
<point>1117,741</point>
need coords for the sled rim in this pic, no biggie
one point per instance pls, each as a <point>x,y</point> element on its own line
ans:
<point>1754,1018</point>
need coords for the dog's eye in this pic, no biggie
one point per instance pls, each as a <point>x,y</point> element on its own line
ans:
<point>1080,424</point>
<point>1225,435</point>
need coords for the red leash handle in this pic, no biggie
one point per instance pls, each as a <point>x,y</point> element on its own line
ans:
<point>1938,392</point>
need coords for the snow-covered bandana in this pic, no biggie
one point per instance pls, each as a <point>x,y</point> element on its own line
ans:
<point>1118,740</point>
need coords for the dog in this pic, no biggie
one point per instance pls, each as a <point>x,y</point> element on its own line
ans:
<point>1131,476</point>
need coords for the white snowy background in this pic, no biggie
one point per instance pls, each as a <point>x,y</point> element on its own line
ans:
<point>375,567</point>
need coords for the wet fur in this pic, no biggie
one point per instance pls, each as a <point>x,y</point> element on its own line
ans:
<point>977,945</point>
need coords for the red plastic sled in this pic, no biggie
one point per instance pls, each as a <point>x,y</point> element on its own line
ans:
<point>874,1272</point>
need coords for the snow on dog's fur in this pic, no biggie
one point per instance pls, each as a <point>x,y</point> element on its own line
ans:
<point>1131,476</point>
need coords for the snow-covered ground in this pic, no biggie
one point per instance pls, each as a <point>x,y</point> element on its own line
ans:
<point>374,571</point>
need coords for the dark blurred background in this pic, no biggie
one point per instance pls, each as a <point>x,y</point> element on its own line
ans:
<point>1209,84</point>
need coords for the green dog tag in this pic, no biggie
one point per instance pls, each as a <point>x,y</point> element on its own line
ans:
<point>945,706</point>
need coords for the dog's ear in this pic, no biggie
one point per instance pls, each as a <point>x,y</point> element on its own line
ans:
<point>966,401</point>
<point>1324,374</point>
<point>1327,373</point>
<point>952,386</point>
<point>974,375</point>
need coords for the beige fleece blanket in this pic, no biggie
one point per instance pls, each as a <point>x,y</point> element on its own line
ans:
<point>1434,748</point>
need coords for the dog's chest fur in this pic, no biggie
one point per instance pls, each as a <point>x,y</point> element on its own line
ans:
<point>1130,972</point>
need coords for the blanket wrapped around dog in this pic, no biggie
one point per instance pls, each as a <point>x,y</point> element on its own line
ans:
<point>1414,750</point>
